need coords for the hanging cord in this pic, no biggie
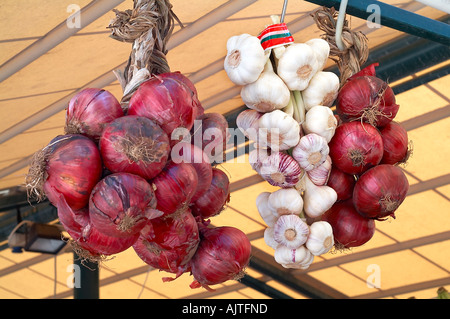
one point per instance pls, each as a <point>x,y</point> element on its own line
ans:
<point>283,12</point>
<point>355,44</point>
<point>148,26</point>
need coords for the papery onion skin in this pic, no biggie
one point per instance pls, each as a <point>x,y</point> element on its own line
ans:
<point>222,255</point>
<point>71,165</point>
<point>214,200</point>
<point>210,133</point>
<point>342,183</point>
<point>167,101</point>
<point>168,244</point>
<point>87,241</point>
<point>174,187</point>
<point>121,204</point>
<point>350,229</point>
<point>189,153</point>
<point>367,98</point>
<point>368,70</point>
<point>136,145</point>
<point>395,143</point>
<point>90,110</point>
<point>355,147</point>
<point>380,191</point>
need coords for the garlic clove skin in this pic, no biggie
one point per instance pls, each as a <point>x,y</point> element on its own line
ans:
<point>321,121</point>
<point>290,231</point>
<point>311,151</point>
<point>265,211</point>
<point>297,66</point>
<point>320,239</point>
<point>257,156</point>
<point>317,199</point>
<point>280,169</point>
<point>322,50</point>
<point>268,238</point>
<point>248,124</point>
<point>323,90</point>
<point>285,201</point>
<point>299,258</point>
<point>267,93</point>
<point>278,130</point>
<point>319,175</point>
<point>245,59</point>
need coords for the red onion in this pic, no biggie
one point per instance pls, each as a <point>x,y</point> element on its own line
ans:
<point>174,187</point>
<point>355,147</point>
<point>216,197</point>
<point>368,98</point>
<point>134,145</point>
<point>71,165</point>
<point>166,101</point>
<point>350,229</point>
<point>121,204</point>
<point>87,241</point>
<point>168,244</point>
<point>178,76</point>
<point>210,133</point>
<point>380,191</point>
<point>368,70</point>
<point>223,254</point>
<point>90,110</point>
<point>342,183</point>
<point>395,144</point>
<point>189,153</point>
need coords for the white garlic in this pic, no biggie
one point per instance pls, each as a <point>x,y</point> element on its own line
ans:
<point>322,90</point>
<point>320,120</point>
<point>297,66</point>
<point>320,239</point>
<point>265,211</point>
<point>278,130</point>
<point>267,93</point>
<point>311,151</point>
<point>247,122</point>
<point>300,258</point>
<point>317,199</point>
<point>321,49</point>
<point>290,231</point>
<point>245,59</point>
<point>319,175</point>
<point>268,238</point>
<point>286,201</point>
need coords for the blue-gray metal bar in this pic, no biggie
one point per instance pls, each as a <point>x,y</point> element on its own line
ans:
<point>395,18</point>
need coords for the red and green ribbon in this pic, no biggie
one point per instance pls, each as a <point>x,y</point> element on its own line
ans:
<point>275,35</point>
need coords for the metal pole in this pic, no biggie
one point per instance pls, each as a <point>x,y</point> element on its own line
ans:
<point>88,277</point>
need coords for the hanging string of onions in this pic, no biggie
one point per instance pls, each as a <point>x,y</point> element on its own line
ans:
<point>121,177</point>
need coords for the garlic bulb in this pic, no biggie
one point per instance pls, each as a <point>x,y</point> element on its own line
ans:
<point>320,120</point>
<point>311,151</point>
<point>247,122</point>
<point>280,169</point>
<point>257,156</point>
<point>297,66</point>
<point>245,59</point>
<point>300,258</point>
<point>320,239</point>
<point>267,93</point>
<point>265,211</point>
<point>268,238</point>
<point>317,199</point>
<point>319,175</point>
<point>321,49</point>
<point>290,231</point>
<point>286,201</point>
<point>278,130</point>
<point>322,90</point>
